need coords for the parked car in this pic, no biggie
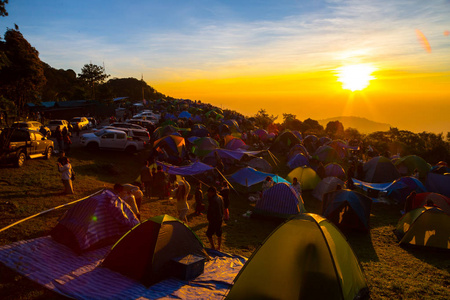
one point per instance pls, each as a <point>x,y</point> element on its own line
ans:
<point>55,123</point>
<point>137,134</point>
<point>148,115</point>
<point>29,125</point>
<point>17,145</point>
<point>127,125</point>
<point>81,122</point>
<point>111,139</point>
<point>142,122</point>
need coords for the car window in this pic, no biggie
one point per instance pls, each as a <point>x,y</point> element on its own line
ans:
<point>138,133</point>
<point>108,135</point>
<point>121,136</point>
<point>39,136</point>
<point>19,136</point>
<point>32,136</point>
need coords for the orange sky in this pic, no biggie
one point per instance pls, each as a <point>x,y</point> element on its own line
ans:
<point>411,101</point>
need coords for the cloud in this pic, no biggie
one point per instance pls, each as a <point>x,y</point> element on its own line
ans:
<point>381,32</point>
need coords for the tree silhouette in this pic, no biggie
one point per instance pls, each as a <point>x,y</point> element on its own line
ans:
<point>92,75</point>
<point>22,79</point>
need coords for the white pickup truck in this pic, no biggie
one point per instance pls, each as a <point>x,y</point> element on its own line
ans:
<point>111,139</point>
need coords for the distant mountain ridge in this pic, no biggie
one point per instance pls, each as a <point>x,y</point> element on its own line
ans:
<point>363,125</point>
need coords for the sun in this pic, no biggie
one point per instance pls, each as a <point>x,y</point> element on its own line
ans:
<point>355,77</point>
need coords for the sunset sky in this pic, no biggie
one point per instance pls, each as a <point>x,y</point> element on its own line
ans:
<point>279,55</point>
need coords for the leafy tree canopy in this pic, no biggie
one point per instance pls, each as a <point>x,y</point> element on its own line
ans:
<point>3,12</point>
<point>23,78</point>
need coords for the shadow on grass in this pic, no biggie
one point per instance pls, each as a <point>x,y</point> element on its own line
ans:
<point>362,245</point>
<point>439,258</point>
<point>108,166</point>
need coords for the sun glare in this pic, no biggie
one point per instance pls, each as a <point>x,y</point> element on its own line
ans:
<point>355,77</point>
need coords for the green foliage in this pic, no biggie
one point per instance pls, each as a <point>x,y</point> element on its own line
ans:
<point>92,75</point>
<point>310,126</point>
<point>291,122</point>
<point>62,85</point>
<point>22,79</point>
<point>3,12</point>
<point>335,129</point>
<point>352,134</point>
<point>263,119</point>
<point>133,88</point>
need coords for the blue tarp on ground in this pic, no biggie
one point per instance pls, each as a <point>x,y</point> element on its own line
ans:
<point>399,188</point>
<point>192,169</point>
<point>61,270</point>
<point>251,177</point>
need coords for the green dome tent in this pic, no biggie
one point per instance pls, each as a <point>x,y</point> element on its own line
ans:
<point>307,257</point>
<point>146,251</point>
<point>307,177</point>
<point>406,165</point>
<point>425,226</point>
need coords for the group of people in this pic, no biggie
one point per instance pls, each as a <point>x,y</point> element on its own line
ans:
<point>63,139</point>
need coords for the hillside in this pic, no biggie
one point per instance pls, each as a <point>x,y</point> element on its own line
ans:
<point>362,124</point>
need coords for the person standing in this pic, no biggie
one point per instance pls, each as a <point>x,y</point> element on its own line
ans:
<point>215,217</point>
<point>59,138</point>
<point>199,206</point>
<point>66,140</point>
<point>159,180</point>
<point>129,194</point>
<point>182,193</point>
<point>66,174</point>
<point>225,193</point>
<point>146,179</point>
<point>297,186</point>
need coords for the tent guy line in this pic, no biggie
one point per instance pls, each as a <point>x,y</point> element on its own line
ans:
<point>49,210</point>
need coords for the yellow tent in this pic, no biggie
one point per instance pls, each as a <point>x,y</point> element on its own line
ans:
<point>307,177</point>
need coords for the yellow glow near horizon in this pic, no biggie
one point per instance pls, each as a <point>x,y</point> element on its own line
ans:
<point>355,77</point>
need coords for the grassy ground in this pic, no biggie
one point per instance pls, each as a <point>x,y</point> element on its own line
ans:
<point>392,272</point>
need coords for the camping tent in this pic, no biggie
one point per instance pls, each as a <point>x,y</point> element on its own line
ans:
<point>406,165</point>
<point>235,144</point>
<point>425,226</point>
<point>279,201</point>
<point>438,183</point>
<point>380,170</point>
<point>439,200</point>
<point>249,179</point>
<point>402,187</point>
<point>333,169</point>
<point>307,257</point>
<point>296,149</point>
<point>347,209</point>
<point>203,146</point>
<point>173,145</point>
<point>94,222</point>
<point>327,154</point>
<point>328,184</point>
<point>145,252</point>
<point>307,177</point>
<point>298,160</point>
<point>260,164</point>
<point>284,142</point>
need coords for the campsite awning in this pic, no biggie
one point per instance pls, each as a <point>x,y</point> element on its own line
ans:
<point>192,169</point>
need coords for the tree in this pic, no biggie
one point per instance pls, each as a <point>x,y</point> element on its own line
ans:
<point>3,12</point>
<point>22,79</point>
<point>92,75</point>
<point>263,120</point>
<point>61,85</point>
<point>291,122</point>
<point>311,126</point>
<point>335,129</point>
